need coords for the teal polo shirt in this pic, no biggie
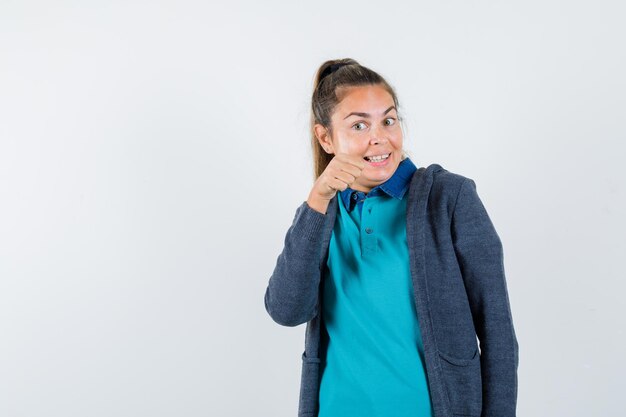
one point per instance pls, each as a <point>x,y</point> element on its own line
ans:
<point>372,353</point>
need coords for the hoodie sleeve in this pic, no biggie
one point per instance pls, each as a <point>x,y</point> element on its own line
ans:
<point>481,259</point>
<point>291,297</point>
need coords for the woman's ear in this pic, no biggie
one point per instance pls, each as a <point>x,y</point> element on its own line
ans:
<point>322,135</point>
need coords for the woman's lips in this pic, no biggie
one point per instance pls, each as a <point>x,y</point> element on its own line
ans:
<point>381,163</point>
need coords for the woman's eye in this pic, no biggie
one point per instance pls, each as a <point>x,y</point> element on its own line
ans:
<point>358,124</point>
<point>392,121</point>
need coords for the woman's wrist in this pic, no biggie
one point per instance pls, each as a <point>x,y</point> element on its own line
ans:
<point>317,203</point>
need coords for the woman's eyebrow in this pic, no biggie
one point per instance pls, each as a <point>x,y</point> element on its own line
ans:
<point>367,115</point>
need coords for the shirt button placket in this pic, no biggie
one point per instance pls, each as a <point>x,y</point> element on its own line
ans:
<point>368,239</point>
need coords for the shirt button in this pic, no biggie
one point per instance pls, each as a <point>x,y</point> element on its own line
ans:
<point>368,230</point>
<point>354,196</point>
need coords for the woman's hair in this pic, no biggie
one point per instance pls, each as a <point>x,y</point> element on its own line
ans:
<point>332,79</point>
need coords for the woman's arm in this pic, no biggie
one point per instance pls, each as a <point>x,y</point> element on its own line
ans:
<point>480,255</point>
<point>291,297</point>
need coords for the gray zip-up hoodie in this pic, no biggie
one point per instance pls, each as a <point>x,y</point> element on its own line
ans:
<point>460,290</point>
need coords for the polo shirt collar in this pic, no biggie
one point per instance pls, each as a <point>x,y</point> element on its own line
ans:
<point>396,186</point>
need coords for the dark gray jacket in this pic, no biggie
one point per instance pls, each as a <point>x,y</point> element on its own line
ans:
<point>457,269</point>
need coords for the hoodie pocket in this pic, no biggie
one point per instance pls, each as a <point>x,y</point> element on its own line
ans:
<point>309,386</point>
<point>463,381</point>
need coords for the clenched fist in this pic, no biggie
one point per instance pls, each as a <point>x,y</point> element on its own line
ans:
<point>340,173</point>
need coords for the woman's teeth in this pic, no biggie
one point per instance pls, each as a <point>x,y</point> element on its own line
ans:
<point>378,158</point>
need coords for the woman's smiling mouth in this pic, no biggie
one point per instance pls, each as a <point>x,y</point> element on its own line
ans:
<point>378,160</point>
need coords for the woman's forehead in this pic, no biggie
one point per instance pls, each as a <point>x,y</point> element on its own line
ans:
<point>370,100</point>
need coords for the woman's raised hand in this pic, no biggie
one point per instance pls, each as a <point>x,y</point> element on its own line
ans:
<point>340,174</point>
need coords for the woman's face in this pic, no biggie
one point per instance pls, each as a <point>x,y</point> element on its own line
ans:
<point>365,123</point>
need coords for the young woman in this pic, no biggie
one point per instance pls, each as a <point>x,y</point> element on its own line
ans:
<point>397,271</point>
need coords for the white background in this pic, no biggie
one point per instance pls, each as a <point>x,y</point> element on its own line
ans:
<point>152,156</point>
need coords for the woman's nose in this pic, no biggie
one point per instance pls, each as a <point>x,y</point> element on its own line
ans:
<point>378,136</point>
<point>376,140</point>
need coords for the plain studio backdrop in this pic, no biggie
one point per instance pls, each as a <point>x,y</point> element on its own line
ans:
<point>152,156</point>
